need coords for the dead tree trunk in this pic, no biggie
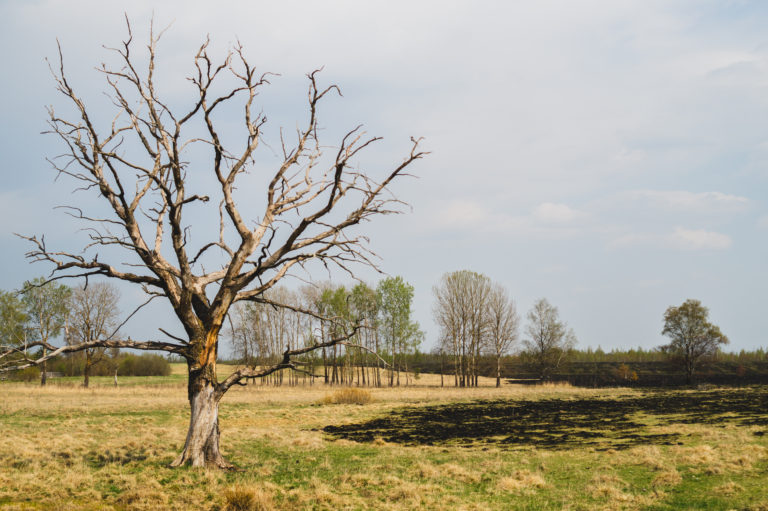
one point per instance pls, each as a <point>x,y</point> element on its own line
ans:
<point>201,447</point>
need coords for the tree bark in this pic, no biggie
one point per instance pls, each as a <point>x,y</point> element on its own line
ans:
<point>441,369</point>
<point>43,373</point>
<point>87,368</point>
<point>325,368</point>
<point>201,447</point>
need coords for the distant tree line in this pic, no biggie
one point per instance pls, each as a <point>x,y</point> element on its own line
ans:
<point>112,364</point>
<point>477,317</point>
<point>42,311</point>
<point>635,355</point>
<point>479,335</point>
<point>376,355</point>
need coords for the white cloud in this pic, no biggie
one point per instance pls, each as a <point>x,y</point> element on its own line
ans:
<point>462,214</point>
<point>547,220</point>
<point>631,240</point>
<point>680,239</point>
<point>548,212</point>
<point>699,239</point>
<point>681,200</point>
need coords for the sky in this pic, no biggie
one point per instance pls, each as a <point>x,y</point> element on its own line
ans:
<point>609,156</point>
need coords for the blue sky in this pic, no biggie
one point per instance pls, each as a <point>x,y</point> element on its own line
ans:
<point>609,156</point>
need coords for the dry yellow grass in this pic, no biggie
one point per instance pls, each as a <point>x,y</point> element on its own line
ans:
<point>728,489</point>
<point>248,498</point>
<point>522,481</point>
<point>108,448</point>
<point>348,396</point>
<point>667,478</point>
<point>649,456</point>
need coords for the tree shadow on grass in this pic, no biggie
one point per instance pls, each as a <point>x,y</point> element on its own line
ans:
<point>561,423</point>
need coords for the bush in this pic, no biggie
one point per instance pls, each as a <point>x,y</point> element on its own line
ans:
<point>143,365</point>
<point>239,498</point>
<point>28,374</point>
<point>348,396</point>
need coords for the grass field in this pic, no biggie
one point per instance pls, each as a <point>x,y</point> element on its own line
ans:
<point>421,447</point>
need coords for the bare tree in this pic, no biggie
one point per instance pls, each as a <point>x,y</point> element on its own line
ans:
<point>93,316</point>
<point>260,332</point>
<point>366,309</point>
<point>502,325</point>
<point>460,310</point>
<point>137,164</point>
<point>244,333</point>
<point>548,339</point>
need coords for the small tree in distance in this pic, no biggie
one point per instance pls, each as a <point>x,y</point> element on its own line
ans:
<point>93,317</point>
<point>548,340</point>
<point>46,307</point>
<point>460,309</point>
<point>13,319</point>
<point>398,329</point>
<point>692,337</point>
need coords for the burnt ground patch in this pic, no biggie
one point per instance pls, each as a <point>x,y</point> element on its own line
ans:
<point>561,423</point>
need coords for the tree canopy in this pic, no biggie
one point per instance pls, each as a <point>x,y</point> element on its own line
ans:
<point>692,336</point>
<point>548,339</point>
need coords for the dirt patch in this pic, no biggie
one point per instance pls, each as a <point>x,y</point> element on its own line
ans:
<point>561,423</point>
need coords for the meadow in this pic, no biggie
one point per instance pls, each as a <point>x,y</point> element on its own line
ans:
<point>416,447</point>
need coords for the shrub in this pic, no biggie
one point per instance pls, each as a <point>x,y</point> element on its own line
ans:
<point>128,364</point>
<point>240,498</point>
<point>348,396</point>
<point>28,374</point>
<point>143,365</point>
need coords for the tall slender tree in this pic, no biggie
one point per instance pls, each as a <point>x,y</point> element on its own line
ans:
<point>460,311</point>
<point>502,325</point>
<point>13,319</point>
<point>399,331</point>
<point>46,305</point>
<point>365,307</point>
<point>335,306</point>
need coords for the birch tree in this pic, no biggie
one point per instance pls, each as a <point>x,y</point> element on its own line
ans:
<point>366,309</point>
<point>139,162</point>
<point>396,326</point>
<point>502,325</point>
<point>460,311</point>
